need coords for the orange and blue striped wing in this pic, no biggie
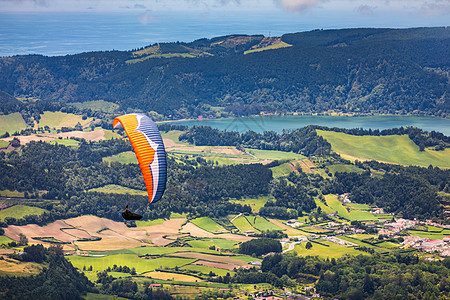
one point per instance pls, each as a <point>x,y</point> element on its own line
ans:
<point>149,149</point>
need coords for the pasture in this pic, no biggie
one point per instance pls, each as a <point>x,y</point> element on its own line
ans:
<point>261,223</point>
<point>281,170</point>
<point>11,123</point>
<point>205,270</point>
<point>118,189</point>
<point>344,168</point>
<point>331,251</point>
<point>392,149</point>
<point>20,211</point>
<point>128,157</point>
<point>254,203</point>
<point>243,224</point>
<point>277,45</point>
<point>59,119</point>
<point>8,193</point>
<point>219,243</point>
<point>12,267</point>
<point>430,235</point>
<point>208,225</point>
<point>3,144</point>
<point>353,214</point>
<point>288,229</point>
<point>140,264</point>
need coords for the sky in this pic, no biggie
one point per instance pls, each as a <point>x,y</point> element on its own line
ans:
<point>369,8</point>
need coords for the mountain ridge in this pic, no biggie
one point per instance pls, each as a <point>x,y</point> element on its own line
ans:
<point>368,70</point>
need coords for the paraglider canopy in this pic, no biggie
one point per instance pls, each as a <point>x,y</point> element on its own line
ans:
<point>149,149</point>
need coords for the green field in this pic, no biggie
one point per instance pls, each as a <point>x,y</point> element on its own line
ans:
<point>65,142</point>
<point>205,270</point>
<point>393,149</point>
<point>11,123</point>
<point>336,205</point>
<point>353,215</point>
<point>3,144</point>
<point>326,209</point>
<point>149,222</point>
<point>281,170</point>
<point>271,47</point>
<point>243,225</point>
<point>5,240</point>
<point>124,158</point>
<point>20,211</point>
<point>208,225</point>
<point>262,224</point>
<point>254,203</point>
<point>118,189</point>
<point>219,243</point>
<point>333,250</point>
<point>430,235</point>
<point>274,155</point>
<point>98,105</point>
<point>8,193</point>
<point>358,206</point>
<point>141,264</point>
<point>174,136</point>
<point>60,119</point>
<point>344,168</point>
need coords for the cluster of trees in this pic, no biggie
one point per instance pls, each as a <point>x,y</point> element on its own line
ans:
<point>57,280</point>
<point>394,71</point>
<point>260,246</point>
<point>66,173</point>
<point>129,289</point>
<point>303,140</point>
<point>395,276</point>
<point>408,191</point>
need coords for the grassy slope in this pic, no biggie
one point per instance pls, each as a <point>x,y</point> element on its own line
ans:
<point>254,203</point>
<point>124,158</point>
<point>11,123</point>
<point>393,149</point>
<point>208,225</point>
<point>19,211</point>
<point>141,264</point>
<point>60,119</point>
<point>333,250</point>
<point>243,224</point>
<point>118,189</point>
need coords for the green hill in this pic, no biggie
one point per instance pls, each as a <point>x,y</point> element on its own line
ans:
<point>351,70</point>
<point>398,149</point>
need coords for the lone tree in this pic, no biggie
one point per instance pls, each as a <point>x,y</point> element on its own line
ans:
<point>308,245</point>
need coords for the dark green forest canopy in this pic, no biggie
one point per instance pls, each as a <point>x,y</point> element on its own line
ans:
<point>358,70</point>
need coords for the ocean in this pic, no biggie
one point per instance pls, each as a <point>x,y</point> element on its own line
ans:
<point>54,34</point>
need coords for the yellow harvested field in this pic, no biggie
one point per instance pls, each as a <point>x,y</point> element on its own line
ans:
<point>12,267</point>
<point>33,230</point>
<point>288,229</point>
<point>196,231</point>
<point>96,135</point>
<point>114,235</point>
<point>227,151</point>
<point>107,244</point>
<point>215,265</point>
<point>172,276</point>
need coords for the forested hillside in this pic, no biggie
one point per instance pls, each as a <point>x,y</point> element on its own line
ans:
<point>353,70</point>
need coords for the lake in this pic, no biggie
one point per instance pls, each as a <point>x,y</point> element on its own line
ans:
<point>278,123</point>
